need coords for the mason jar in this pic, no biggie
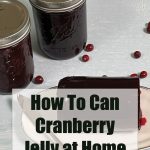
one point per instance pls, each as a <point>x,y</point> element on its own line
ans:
<point>16,58</point>
<point>61,27</point>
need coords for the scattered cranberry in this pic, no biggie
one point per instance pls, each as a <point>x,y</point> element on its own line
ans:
<point>38,80</point>
<point>104,76</point>
<point>143,74</point>
<point>142,121</point>
<point>89,47</point>
<point>137,54</point>
<point>85,58</point>
<point>148,28</point>
<point>134,75</point>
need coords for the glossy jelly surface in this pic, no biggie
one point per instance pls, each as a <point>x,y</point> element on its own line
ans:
<point>61,35</point>
<point>16,66</point>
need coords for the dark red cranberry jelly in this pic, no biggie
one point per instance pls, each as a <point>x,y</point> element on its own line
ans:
<point>16,65</point>
<point>16,59</point>
<point>61,35</point>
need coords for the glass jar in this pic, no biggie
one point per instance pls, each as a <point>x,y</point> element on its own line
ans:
<point>16,58</point>
<point>61,27</point>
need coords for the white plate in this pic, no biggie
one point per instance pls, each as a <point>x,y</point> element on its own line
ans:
<point>144,133</point>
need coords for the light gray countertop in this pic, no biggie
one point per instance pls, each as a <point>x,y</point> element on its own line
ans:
<point>116,28</point>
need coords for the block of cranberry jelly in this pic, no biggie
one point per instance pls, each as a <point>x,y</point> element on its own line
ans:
<point>127,88</point>
<point>61,27</point>
<point>16,59</point>
<point>99,82</point>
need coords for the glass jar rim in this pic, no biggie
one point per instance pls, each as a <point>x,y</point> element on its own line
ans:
<point>56,5</point>
<point>15,22</point>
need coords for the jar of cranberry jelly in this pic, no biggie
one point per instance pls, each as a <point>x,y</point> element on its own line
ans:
<point>61,26</point>
<point>16,59</point>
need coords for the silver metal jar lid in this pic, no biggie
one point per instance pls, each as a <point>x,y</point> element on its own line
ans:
<point>56,5</point>
<point>14,22</point>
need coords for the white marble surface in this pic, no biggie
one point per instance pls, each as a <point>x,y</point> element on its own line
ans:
<point>116,27</point>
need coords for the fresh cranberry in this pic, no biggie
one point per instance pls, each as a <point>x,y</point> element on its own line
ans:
<point>148,28</point>
<point>104,76</point>
<point>38,80</point>
<point>137,54</point>
<point>85,58</point>
<point>143,74</point>
<point>142,121</point>
<point>89,47</point>
<point>134,75</point>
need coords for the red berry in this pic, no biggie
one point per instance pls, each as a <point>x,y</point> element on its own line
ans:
<point>142,121</point>
<point>85,58</point>
<point>38,80</point>
<point>143,74</point>
<point>89,47</point>
<point>137,54</point>
<point>104,76</point>
<point>134,75</point>
<point>148,28</point>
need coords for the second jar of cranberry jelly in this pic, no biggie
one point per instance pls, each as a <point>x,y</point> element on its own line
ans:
<point>61,27</point>
<point>16,59</point>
